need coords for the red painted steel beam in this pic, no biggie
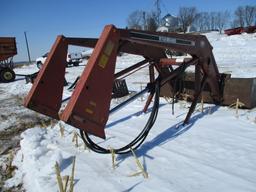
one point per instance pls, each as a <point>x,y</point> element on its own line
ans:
<point>45,95</point>
<point>166,62</point>
<point>83,42</point>
<point>124,46</point>
<point>177,71</point>
<point>151,80</point>
<point>7,47</point>
<point>131,68</point>
<point>88,108</point>
<point>192,44</point>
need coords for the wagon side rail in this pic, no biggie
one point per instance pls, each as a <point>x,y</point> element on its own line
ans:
<point>8,49</point>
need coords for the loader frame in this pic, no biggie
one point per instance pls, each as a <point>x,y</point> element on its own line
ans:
<point>89,106</point>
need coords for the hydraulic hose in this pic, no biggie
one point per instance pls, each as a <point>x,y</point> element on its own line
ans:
<point>134,144</point>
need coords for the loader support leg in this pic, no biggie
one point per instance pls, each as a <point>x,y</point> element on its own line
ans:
<point>88,108</point>
<point>46,94</point>
<point>152,79</point>
<point>195,100</point>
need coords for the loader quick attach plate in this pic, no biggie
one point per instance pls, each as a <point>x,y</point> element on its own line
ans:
<point>89,106</point>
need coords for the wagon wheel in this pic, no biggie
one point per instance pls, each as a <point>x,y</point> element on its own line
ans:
<point>7,75</point>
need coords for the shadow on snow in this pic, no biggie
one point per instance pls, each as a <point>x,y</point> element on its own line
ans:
<point>169,134</point>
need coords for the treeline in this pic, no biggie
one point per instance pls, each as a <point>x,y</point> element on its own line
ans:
<point>143,20</point>
<point>190,17</point>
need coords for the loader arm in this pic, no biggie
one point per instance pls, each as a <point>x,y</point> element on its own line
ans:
<point>154,44</point>
<point>88,108</point>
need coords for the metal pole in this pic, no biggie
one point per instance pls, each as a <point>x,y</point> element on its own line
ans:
<point>27,46</point>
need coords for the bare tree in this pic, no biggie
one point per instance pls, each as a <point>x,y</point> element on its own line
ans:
<point>187,16</point>
<point>199,22</point>
<point>151,21</point>
<point>222,19</point>
<point>255,16</point>
<point>207,22</point>
<point>245,16</point>
<point>250,13</point>
<point>158,11</point>
<point>202,21</point>
<point>240,16</point>
<point>213,16</point>
<point>135,20</point>
<point>235,23</point>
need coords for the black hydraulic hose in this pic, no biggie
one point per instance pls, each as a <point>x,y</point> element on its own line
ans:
<point>74,83</point>
<point>139,139</point>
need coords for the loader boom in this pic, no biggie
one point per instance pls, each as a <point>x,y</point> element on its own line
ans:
<point>89,105</point>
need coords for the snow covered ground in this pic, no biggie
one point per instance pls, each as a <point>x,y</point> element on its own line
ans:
<point>235,54</point>
<point>215,152</point>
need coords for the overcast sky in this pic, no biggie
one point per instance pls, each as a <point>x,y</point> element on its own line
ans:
<point>43,20</point>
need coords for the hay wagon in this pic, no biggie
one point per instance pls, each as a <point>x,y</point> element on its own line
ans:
<point>8,49</point>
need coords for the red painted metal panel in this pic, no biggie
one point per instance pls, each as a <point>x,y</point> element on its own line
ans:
<point>46,94</point>
<point>7,47</point>
<point>88,108</point>
<point>166,62</point>
<point>234,31</point>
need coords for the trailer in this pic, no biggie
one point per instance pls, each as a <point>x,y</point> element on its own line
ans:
<point>240,30</point>
<point>8,50</point>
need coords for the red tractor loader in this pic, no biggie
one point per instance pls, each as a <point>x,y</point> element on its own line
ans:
<point>88,108</point>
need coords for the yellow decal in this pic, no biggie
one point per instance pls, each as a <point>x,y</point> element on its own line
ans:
<point>87,110</point>
<point>109,48</point>
<point>107,52</point>
<point>103,61</point>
